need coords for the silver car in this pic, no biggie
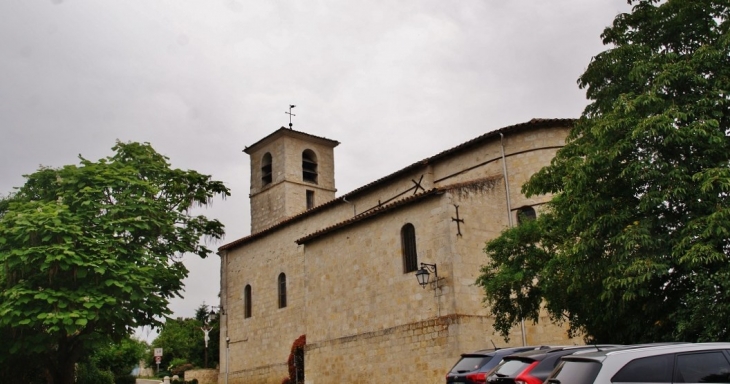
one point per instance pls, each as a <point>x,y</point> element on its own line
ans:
<point>663,363</point>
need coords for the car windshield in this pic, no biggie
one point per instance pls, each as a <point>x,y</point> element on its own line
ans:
<point>510,368</point>
<point>574,372</point>
<point>470,363</point>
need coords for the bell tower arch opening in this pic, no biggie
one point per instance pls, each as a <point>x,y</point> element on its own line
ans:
<point>309,166</point>
<point>291,171</point>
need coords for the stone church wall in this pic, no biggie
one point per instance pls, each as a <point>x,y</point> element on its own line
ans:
<point>264,339</point>
<point>365,319</point>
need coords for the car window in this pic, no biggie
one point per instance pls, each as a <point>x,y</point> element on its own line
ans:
<point>709,367</point>
<point>654,369</point>
<point>510,368</point>
<point>575,372</point>
<point>470,363</point>
<point>497,358</point>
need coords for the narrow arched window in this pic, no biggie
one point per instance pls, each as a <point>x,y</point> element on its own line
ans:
<point>247,302</point>
<point>282,290</point>
<point>266,170</point>
<point>309,166</point>
<point>408,245</point>
<point>526,213</point>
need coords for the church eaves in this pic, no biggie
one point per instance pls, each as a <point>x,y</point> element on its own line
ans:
<point>532,124</point>
<point>370,214</point>
<point>283,131</point>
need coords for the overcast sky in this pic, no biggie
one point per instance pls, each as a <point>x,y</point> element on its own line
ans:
<point>393,81</point>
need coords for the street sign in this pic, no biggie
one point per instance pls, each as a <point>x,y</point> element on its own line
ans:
<point>158,352</point>
<point>158,359</point>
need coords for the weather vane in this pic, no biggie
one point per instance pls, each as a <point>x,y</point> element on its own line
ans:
<point>290,114</point>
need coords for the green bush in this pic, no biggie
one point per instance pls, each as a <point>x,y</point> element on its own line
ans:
<point>193,381</point>
<point>162,374</point>
<point>90,374</point>
<point>180,369</point>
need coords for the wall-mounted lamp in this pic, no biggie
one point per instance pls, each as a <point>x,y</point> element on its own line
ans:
<point>212,314</point>
<point>423,276</point>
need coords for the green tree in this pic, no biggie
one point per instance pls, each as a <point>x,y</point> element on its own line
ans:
<point>95,249</point>
<point>182,339</point>
<point>179,339</point>
<point>207,316</point>
<point>635,243</point>
<point>114,360</point>
<point>119,358</point>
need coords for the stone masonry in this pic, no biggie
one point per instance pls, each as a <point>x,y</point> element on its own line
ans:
<point>364,318</point>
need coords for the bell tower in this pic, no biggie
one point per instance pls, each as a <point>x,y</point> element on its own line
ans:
<point>291,172</point>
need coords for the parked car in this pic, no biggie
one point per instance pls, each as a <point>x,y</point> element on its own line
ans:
<point>472,368</point>
<point>668,363</point>
<point>533,367</point>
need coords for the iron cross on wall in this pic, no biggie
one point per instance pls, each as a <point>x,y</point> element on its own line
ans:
<point>458,221</point>
<point>418,185</point>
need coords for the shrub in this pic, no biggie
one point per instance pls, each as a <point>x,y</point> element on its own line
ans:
<point>90,374</point>
<point>193,381</point>
<point>162,374</point>
<point>180,369</point>
<point>296,361</point>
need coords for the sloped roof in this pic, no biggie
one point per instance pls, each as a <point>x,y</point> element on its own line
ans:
<point>369,214</point>
<point>391,206</point>
<point>283,131</point>
<point>532,124</point>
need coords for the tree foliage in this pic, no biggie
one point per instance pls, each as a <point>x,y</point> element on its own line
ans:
<point>635,243</point>
<point>111,360</point>
<point>119,358</point>
<point>182,340</point>
<point>95,249</point>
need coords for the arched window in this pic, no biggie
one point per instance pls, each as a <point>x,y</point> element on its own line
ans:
<point>408,244</point>
<point>282,290</point>
<point>247,302</point>
<point>266,170</point>
<point>526,213</point>
<point>309,166</point>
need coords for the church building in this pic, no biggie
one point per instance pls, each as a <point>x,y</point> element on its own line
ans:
<point>378,281</point>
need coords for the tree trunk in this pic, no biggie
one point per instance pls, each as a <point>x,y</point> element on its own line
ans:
<point>63,374</point>
<point>63,369</point>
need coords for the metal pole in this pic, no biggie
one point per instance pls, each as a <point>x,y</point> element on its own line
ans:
<point>506,183</point>
<point>227,359</point>
<point>509,218</point>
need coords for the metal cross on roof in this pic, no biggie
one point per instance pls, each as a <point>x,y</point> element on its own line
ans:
<point>290,114</point>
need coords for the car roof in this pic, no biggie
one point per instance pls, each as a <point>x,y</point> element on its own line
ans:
<point>481,352</point>
<point>555,351</point>
<point>503,351</point>
<point>649,350</point>
<point>623,347</point>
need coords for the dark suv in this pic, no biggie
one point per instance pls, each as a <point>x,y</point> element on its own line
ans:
<point>473,367</point>
<point>533,367</point>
